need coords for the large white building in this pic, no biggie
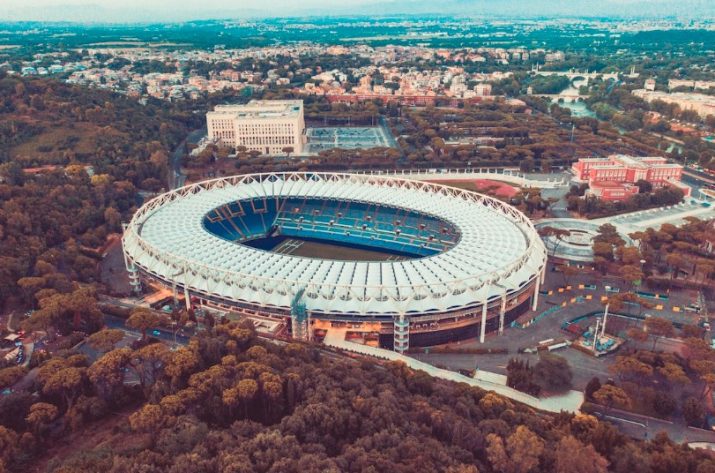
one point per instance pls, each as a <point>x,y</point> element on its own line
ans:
<point>267,126</point>
<point>702,104</point>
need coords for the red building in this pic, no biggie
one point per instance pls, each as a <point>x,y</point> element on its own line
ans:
<point>614,177</point>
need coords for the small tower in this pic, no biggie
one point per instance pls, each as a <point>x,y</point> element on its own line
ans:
<point>300,320</point>
<point>401,333</point>
<point>133,272</point>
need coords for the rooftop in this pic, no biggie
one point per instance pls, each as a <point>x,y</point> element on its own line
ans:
<point>256,109</point>
<point>499,249</point>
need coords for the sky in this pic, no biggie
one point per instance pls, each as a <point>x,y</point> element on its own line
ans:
<point>182,10</point>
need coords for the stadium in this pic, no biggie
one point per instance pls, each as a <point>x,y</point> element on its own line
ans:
<point>404,262</point>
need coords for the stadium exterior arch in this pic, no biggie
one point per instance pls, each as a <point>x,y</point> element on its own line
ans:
<point>467,263</point>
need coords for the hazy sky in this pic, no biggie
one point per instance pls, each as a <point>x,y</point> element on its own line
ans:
<point>169,10</point>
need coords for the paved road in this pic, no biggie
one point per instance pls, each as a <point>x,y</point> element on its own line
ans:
<point>175,178</point>
<point>160,333</point>
<point>645,427</point>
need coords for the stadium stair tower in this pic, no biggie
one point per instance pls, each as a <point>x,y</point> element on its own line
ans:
<point>300,320</point>
<point>133,272</point>
<point>401,328</point>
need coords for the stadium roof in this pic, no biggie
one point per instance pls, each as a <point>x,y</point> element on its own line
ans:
<point>499,249</point>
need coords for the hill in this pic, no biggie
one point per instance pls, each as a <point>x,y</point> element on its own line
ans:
<point>71,164</point>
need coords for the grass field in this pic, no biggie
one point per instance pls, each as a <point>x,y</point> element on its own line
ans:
<point>314,249</point>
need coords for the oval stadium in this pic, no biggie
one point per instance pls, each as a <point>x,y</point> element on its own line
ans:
<point>404,262</point>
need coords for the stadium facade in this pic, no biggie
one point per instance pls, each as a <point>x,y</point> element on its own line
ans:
<point>461,263</point>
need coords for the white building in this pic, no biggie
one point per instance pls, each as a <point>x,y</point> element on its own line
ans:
<point>267,126</point>
<point>702,104</point>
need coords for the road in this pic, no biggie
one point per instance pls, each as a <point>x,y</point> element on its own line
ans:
<point>646,427</point>
<point>175,178</point>
<point>162,334</point>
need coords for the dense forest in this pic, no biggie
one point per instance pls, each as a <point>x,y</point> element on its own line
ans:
<point>72,162</point>
<point>229,402</point>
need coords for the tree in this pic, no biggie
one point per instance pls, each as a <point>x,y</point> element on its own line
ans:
<point>637,334</point>
<point>593,385</point>
<point>11,375</point>
<point>557,234</point>
<point>76,310</point>
<point>628,255</point>
<point>659,327</point>
<point>673,373</point>
<point>675,262</point>
<point>553,372</point>
<point>8,444</point>
<point>664,403</point>
<point>104,340</point>
<point>181,364</point>
<point>611,396</point>
<point>631,274</point>
<point>644,187</point>
<point>142,319</point>
<point>149,419</point>
<point>520,454</point>
<point>246,391</point>
<point>573,456</point>
<point>41,414</point>
<point>520,376</point>
<point>603,250</point>
<point>630,367</point>
<point>148,363</point>
<point>107,373</point>
<point>65,383</point>
<point>693,412</point>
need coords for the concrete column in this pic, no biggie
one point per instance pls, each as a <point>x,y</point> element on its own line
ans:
<point>187,297</point>
<point>483,327</point>
<point>543,273</point>
<point>536,294</point>
<point>502,313</point>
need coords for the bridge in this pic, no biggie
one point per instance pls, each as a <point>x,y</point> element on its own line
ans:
<point>573,74</point>
<point>510,175</point>
<point>567,96</point>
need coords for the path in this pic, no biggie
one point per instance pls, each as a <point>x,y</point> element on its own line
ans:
<point>570,402</point>
<point>509,175</point>
<point>175,178</point>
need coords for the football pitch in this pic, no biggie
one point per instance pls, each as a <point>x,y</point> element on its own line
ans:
<point>315,249</point>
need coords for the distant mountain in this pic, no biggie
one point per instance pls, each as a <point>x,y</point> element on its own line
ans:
<point>98,11</point>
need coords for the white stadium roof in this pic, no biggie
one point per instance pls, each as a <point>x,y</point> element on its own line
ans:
<point>498,250</point>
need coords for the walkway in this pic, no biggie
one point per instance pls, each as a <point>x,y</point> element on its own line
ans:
<point>509,175</point>
<point>569,402</point>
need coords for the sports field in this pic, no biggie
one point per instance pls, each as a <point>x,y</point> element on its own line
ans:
<point>321,139</point>
<point>315,249</point>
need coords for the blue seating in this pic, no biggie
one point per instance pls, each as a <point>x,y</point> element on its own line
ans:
<point>344,222</point>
